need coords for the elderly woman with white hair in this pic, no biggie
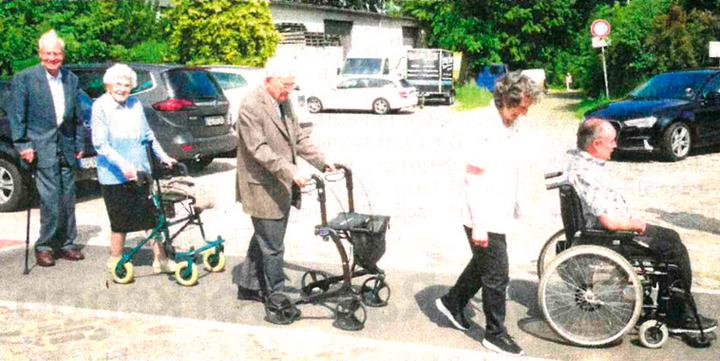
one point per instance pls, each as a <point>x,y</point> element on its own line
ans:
<point>119,129</point>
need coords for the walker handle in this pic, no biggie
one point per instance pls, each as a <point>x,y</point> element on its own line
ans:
<point>320,186</point>
<point>348,184</point>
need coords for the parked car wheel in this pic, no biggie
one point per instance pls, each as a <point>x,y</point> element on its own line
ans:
<point>314,105</point>
<point>676,142</point>
<point>198,164</point>
<point>13,188</point>
<point>381,106</point>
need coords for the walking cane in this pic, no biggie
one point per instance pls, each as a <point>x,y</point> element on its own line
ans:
<point>31,195</point>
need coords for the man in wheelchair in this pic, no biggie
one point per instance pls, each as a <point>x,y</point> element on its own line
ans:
<point>604,208</point>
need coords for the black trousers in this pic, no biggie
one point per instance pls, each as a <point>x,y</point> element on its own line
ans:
<point>668,246</point>
<point>487,269</point>
<point>263,266</point>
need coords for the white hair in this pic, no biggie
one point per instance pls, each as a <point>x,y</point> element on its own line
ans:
<point>50,38</point>
<point>118,72</point>
<point>277,68</point>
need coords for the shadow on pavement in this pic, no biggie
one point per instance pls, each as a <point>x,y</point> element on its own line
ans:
<point>425,300</point>
<point>689,220</point>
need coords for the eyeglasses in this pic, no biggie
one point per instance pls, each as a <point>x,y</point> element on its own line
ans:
<point>289,85</point>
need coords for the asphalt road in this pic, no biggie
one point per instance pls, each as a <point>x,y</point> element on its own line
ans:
<point>405,166</point>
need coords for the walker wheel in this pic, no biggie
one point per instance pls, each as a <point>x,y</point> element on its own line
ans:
<point>350,315</point>
<point>214,260</point>
<point>123,275</point>
<point>314,282</point>
<point>186,274</point>
<point>280,310</point>
<point>375,292</point>
<point>652,334</point>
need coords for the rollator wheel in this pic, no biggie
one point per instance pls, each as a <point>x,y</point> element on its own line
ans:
<point>375,292</point>
<point>186,274</point>
<point>213,260</point>
<point>590,295</point>
<point>350,315</point>
<point>280,310</point>
<point>653,334</point>
<point>123,275</point>
<point>314,283</point>
<point>554,245</point>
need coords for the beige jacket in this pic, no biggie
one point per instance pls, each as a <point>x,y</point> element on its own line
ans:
<point>267,155</point>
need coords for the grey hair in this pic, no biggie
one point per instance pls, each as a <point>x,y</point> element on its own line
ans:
<point>512,87</point>
<point>279,68</point>
<point>120,71</point>
<point>50,38</point>
<point>588,131</point>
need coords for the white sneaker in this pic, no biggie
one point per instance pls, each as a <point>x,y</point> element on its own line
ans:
<point>164,266</point>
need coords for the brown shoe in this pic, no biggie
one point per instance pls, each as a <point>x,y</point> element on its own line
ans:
<point>44,258</point>
<point>71,255</point>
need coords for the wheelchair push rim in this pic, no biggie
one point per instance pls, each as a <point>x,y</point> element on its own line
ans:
<point>590,295</point>
<point>552,247</point>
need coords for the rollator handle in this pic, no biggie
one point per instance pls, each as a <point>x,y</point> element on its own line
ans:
<point>320,186</point>
<point>348,184</point>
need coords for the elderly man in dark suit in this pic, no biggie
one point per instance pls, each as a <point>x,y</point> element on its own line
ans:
<point>268,179</point>
<point>44,123</point>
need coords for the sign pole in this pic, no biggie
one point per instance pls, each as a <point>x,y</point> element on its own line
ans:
<point>607,92</point>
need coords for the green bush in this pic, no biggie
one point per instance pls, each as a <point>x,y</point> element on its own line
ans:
<point>588,104</point>
<point>470,96</point>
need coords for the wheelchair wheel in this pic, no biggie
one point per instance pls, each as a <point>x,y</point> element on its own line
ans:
<point>123,275</point>
<point>375,292</point>
<point>590,295</point>
<point>213,260</point>
<point>554,245</point>
<point>186,274</point>
<point>314,283</point>
<point>350,315</point>
<point>653,334</point>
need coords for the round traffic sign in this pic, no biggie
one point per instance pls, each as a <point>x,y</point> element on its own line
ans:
<point>600,28</point>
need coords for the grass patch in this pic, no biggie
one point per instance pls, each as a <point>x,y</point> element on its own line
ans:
<point>470,96</point>
<point>587,104</point>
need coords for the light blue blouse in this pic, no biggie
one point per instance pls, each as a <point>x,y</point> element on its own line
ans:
<point>118,133</point>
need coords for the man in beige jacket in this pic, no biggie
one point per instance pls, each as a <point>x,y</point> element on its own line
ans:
<point>268,179</point>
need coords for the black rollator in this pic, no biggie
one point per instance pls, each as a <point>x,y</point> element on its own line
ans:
<point>31,196</point>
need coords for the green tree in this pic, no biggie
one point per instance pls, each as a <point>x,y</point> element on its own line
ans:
<point>94,31</point>
<point>703,27</point>
<point>221,31</point>
<point>670,41</point>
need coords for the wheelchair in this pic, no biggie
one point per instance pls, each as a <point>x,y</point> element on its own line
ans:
<point>596,285</point>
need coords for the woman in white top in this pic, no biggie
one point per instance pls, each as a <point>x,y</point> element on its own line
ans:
<point>491,189</point>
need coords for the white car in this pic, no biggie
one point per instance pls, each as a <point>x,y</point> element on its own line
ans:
<point>238,81</point>
<point>378,94</point>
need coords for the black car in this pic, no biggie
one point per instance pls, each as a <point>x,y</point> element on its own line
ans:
<point>13,182</point>
<point>668,115</point>
<point>185,107</point>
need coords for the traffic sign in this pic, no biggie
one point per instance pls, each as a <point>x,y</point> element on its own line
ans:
<point>600,28</point>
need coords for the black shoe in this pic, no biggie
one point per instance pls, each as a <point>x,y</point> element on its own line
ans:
<point>688,324</point>
<point>453,314</point>
<point>502,343</point>
<point>247,294</point>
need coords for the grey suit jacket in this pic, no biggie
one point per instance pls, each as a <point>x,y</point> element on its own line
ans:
<point>32,117</point>
<point>267,155</point>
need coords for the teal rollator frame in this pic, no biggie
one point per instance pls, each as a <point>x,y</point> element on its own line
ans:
<point>186,273</point>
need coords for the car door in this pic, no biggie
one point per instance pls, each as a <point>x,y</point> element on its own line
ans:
<point>707,115</point>
<point>339,97</point>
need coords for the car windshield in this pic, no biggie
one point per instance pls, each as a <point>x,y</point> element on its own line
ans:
<point>193,84</point>
<point>671,86</point>
<point>362,66</point>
